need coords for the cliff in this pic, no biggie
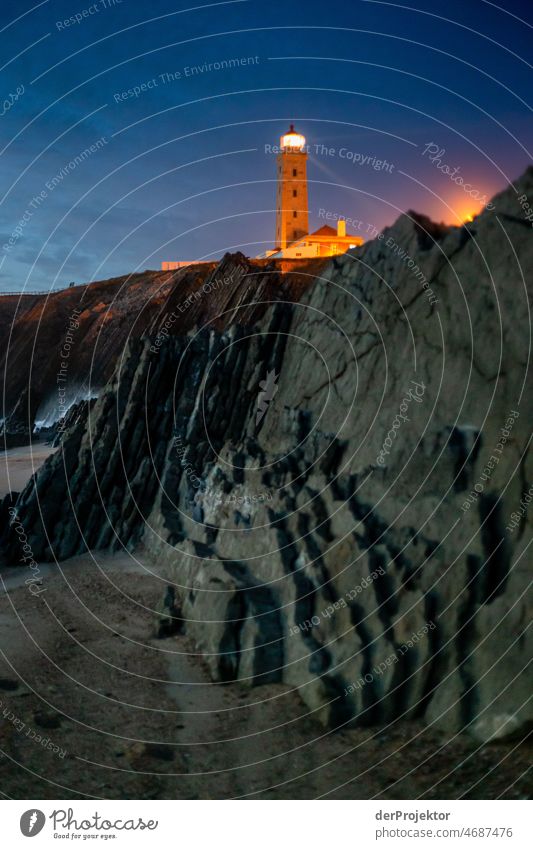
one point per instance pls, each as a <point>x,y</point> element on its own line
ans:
<point>330,480</point>
<point>79,333</point>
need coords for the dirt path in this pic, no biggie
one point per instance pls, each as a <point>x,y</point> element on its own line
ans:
<point>133,716</point>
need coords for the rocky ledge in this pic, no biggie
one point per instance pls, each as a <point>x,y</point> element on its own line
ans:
<point>336,483</point>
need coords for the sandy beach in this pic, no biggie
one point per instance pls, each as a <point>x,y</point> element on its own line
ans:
<point>94,705</point>
<point>17,465</point>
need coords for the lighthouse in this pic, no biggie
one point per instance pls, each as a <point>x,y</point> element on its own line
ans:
<point>291,201</point>
<point>293,239</point>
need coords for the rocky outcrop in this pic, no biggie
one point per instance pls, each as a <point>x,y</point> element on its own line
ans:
<point>328,481</point>
<point>84,327</point>
<point>59,349</point>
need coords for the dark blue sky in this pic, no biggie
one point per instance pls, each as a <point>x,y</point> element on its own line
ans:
<point>181,170</point>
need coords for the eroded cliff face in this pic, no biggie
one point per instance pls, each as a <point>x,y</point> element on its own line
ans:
<point>331,489</point>
<point>61,348</point>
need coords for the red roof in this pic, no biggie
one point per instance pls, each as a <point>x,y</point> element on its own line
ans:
<point>326,230</point>
<point>330,233</point>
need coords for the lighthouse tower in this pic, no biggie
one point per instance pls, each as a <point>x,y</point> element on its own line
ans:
<point>291,201</point>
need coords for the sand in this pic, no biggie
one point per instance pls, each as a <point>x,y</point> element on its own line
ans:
<point>17,465</point>
<point>93,705</point>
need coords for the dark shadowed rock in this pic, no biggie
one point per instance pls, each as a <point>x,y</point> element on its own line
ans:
<point>367,560</point>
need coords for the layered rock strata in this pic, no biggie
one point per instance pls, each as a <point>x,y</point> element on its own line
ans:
<point>329,483</point>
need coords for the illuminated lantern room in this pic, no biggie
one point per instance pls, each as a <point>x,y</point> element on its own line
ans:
<point>292,141</point>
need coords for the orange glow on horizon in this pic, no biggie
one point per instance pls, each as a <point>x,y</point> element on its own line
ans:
<point>459,211</point>
<point>461,215</point>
